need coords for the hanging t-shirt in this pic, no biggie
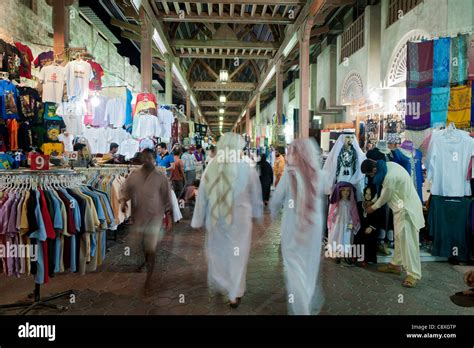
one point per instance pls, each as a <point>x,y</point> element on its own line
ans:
<point>54,149</point>
<point>6,161</point>
<point>128,111</point>
<point>53,129</point>
<point>97,72</point>
<point>129,148</point>
<point>9,98</point>
<point>43,59</point>
<point>29,103</point>
<point>146,126</point>
<point>144,97</point>
<point>98,111</point>
<point>147,143</point>
<point>166,119</point>
<point>52,78</point>
<point>67,141</point>
<point>25,138</point>
<point>115,112</point>
<point>49,113</point>
<point>73,115</point>
<point>77,74</point>
<point>26,58</point>
<point>97,139</point>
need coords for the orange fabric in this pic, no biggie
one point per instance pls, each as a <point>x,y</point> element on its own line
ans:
<point>13,126</point>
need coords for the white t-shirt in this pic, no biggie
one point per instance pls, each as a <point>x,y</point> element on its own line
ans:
<point>67,141</point>
<point>98,112</point>
<point>447,164</point>
<point>78,73</point>
<point>145,126</point>
<point>52,79</point>
<point>73,115</point>
<point>97,139</point>
<point>116,135</point>
<point>128,148</point>
<point>115,112</point>
<point>166,119</point>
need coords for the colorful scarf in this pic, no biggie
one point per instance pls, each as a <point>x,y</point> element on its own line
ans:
<point>334,205</point>
<point>471,58</point>
<point>418,108</point>
<point>459,111</point>
<point>439,106</point>
<point>459,59</point>
<point>441,62</point>
<point>420,64</point>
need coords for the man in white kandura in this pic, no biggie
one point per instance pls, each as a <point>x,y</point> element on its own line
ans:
<point>398,190</point>
<point>229,197</point>
<point>300,191</point>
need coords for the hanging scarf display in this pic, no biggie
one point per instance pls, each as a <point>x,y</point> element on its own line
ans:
<point>441,62</point>
<point>418,108</point>
<point>420,64</point>
<point>439,106</point>
<point>459,59</point>
<point>470,53</point>
<point>459,111</point>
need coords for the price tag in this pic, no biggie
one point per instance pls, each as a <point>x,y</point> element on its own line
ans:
<point>72,156</point>
<point>39,162</point>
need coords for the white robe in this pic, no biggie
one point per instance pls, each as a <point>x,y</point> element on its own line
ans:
<point>228,245</point>
<point>301,249</point>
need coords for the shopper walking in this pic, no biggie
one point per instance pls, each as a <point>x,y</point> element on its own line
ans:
<point>301,195</point>
<point>279,165</point>
<point>177,175</point>
<point>189,166</point>
<point>396,188</point>
<point>199,164</point>
<point>229,197</point>
<point>149,192</point>
<point>266,177</point>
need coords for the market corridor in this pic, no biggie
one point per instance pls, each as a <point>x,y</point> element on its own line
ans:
<point>181,283</point>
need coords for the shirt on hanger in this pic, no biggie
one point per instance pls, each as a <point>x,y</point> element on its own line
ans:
<point>96,81</point>
<point>43,58</point>
<point>67,141</point>
<point>145,126</point>
<point>77,74</point>
<point>73,115</point>
<point>166,120</point>
<point>98,112</point>
<point>52,79</point>
<point>129,148</point>
<point>26,58</point>
<point>115,112</point>
<point>9,99</point>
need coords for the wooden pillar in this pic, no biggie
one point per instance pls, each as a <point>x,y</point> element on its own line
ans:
<point>60,27</point>
<point>247,121</point>
<point>257,110</point>
<point>304,40</point>
<point>168,81</point>
<point>279,93</point>
<point>188,106</point>
<point>146,52</point>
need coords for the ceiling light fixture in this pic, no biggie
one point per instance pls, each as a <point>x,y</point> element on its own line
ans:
<point>290,45</point>
<point>180,78</point>
<point>221,111</point>
<point>223,76</point>
<point>268,78</point>
<point>221,118</point>
<point>159,42</point>
<point>222,98</point>
<point>193,100</point>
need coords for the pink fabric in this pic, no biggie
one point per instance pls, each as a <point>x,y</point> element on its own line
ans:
<point>334,207</point>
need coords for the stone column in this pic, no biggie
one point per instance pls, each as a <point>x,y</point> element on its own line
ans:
<point>146,52</point>
<point>304,36</point>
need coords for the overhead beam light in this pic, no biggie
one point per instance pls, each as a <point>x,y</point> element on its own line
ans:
<point>221,111</point>
<point>159,42</point>
<point>222,98</point>
<point>290,45</point>
<point>136,4</point>
<point>223,76</point>
<point>193,100</point>
<point>221,118</point>
<point>268,78</point>
<point>181,80</point>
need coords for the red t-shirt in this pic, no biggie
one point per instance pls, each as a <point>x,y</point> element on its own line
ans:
<point>26,60</point>
<point>96,82</point>
<point>144,97</point>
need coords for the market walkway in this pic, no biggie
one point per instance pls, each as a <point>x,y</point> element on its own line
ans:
<point>181,277</point>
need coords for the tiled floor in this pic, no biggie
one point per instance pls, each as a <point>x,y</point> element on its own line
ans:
<point>181,288</point>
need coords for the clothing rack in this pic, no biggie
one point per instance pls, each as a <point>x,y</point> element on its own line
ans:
<point>29,179</point>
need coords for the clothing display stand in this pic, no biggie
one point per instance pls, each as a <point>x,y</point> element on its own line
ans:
<point>25,180</point>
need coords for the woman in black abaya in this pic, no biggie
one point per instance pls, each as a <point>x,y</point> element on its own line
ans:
<point>266,177</point>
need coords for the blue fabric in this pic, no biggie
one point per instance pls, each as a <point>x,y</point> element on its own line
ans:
<point>6,161</point>
<point>401,159</point>
<point>9,96</point>
<point>165,161</point>
<point>439,106</point>
<point>39,235</point>
<point>441,62</point>
<point>380,175</point>
<point>58,222</point>
<point>419,174</point>
<point>57,255</point>
<point>75,208</point>
<point>93,244</point>
<point>128,112</point>
<point>104,245</point>
<point>73,254</point>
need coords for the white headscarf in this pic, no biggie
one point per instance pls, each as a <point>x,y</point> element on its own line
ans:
<point>221,175</point>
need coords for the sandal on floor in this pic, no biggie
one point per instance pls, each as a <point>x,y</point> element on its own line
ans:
<point>463,298</point>
<point>410,282</point>
<point>389,268</point>
<point>236,304</point>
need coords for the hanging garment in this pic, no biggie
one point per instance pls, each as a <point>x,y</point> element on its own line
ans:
<point>471,57</point>
<point>115,112</point>
<point>52,77</point>
<point>420,64</point>
<point>145,126</point>
<point>129,148</point>
<point>448,220</point>
<point>459,59</point>
<point>97,74</point>
<point>439,106</point>
<point>9,100</point>
<point>418,108</point>
<point>29,103</point>
<point>459,111</point>
<point>441,62</point>
<point>77,74</point>
<point>72,114</point>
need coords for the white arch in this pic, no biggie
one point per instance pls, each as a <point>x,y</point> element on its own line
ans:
<point>352,88</point>
<point>397,68</point>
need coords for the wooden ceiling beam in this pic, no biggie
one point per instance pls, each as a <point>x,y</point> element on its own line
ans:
<point>267,19</point>
<point>216,103</point>
<point>125,25</point>
<point>251,2</point>
<point>231,12</point>
<point>211,71</point>
<point>230,86</point>
<point>166,7</point>
<point>220,55</point>
<point>216,113</point>
<point>238,70</point>
<point>275,10</point>
<point>225,44</point>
